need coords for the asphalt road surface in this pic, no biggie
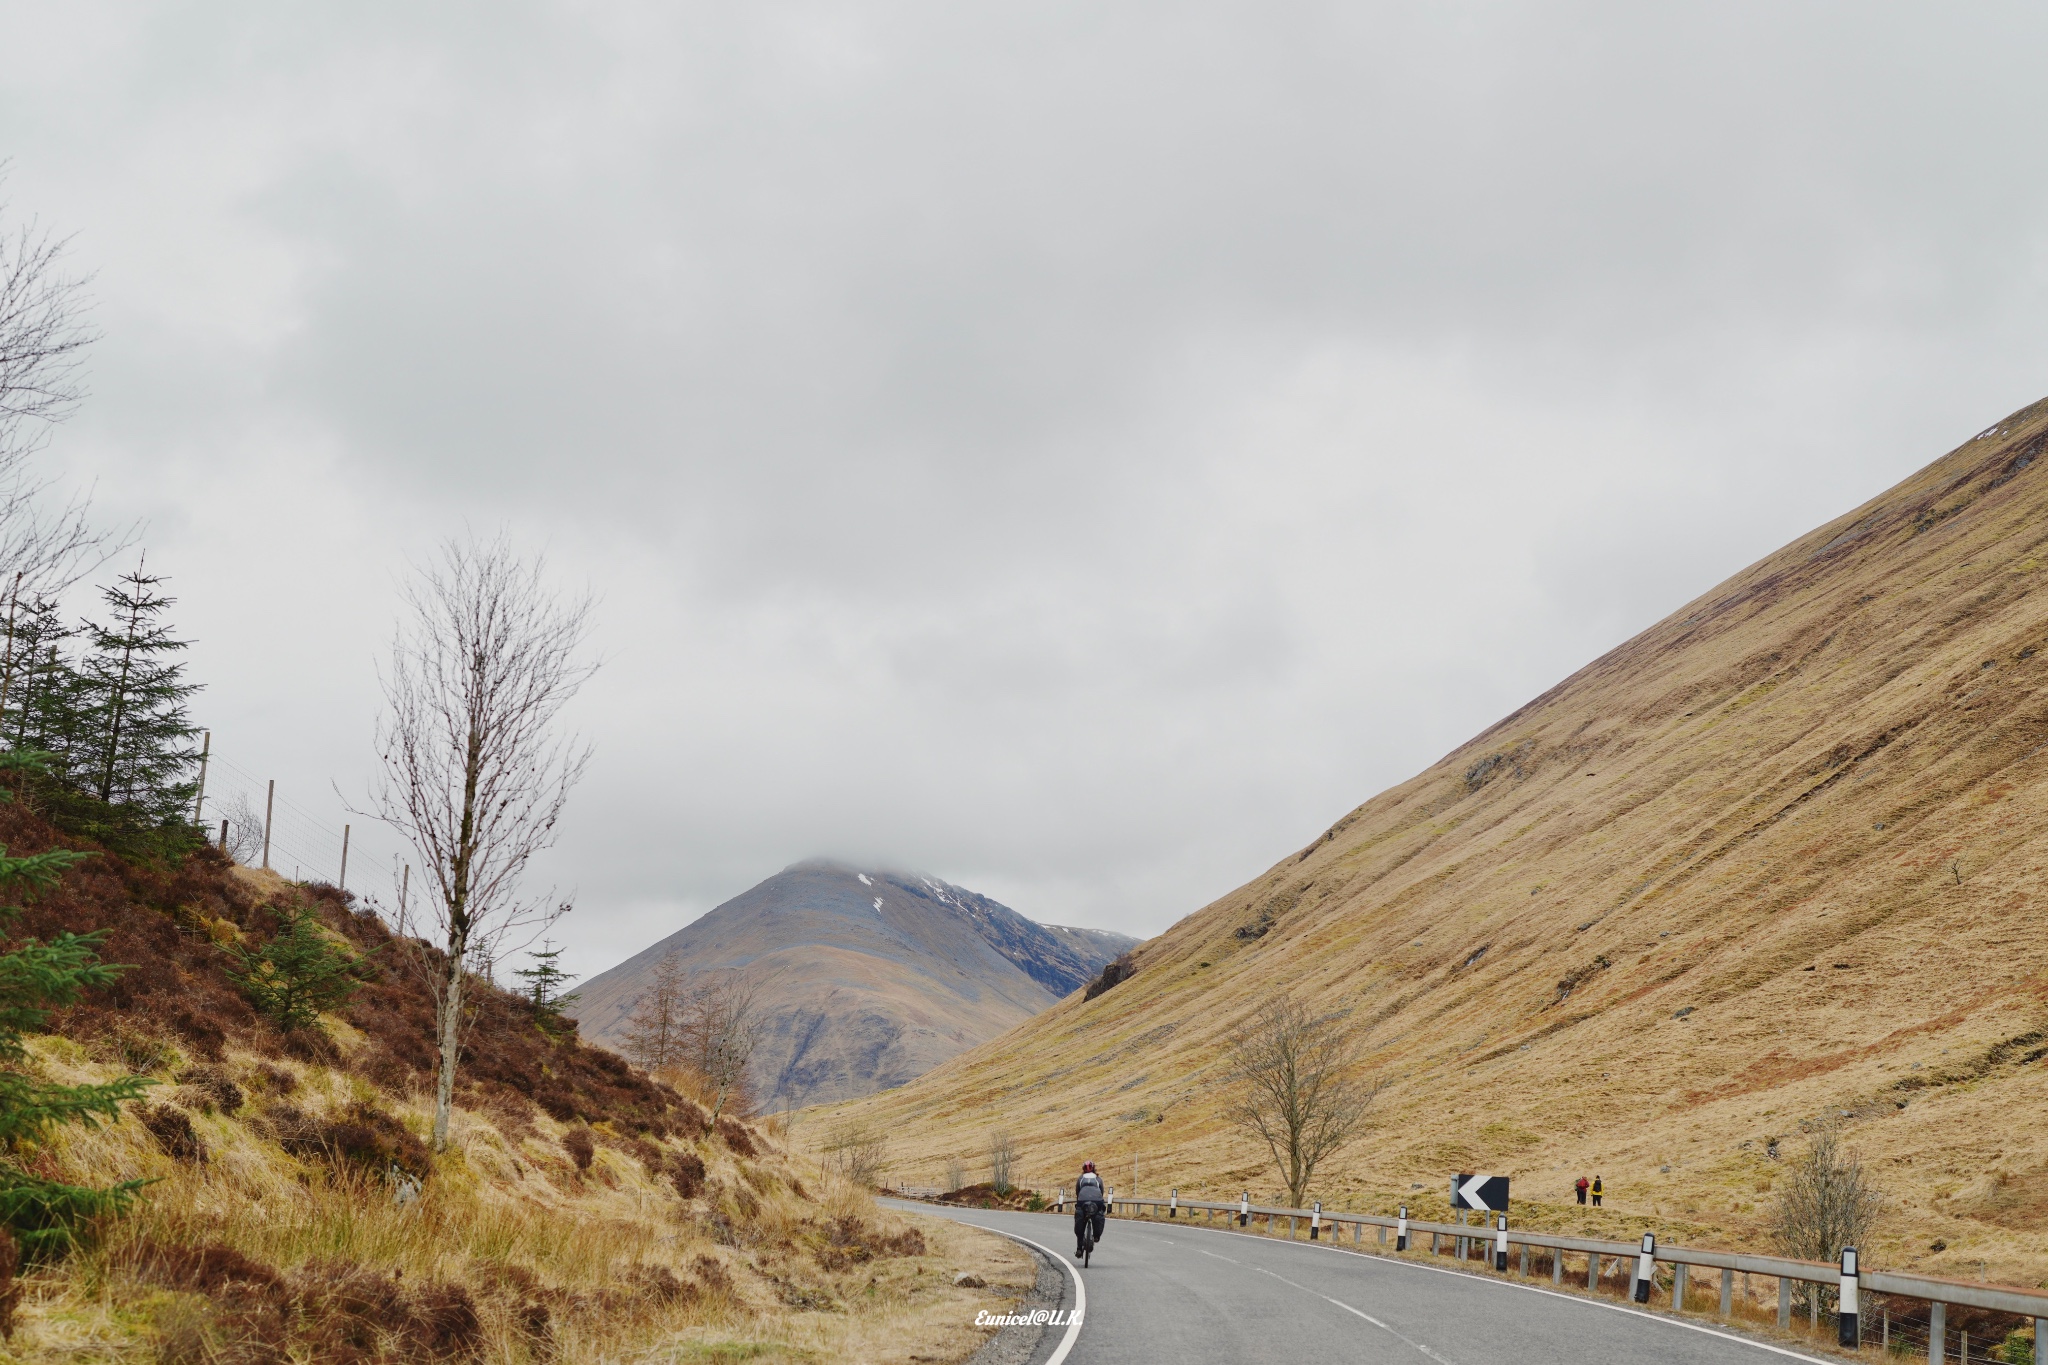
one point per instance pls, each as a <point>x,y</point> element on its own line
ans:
<point>1188,1293</point>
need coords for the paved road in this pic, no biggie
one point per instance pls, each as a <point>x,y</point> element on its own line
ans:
<point>1161,1292</point>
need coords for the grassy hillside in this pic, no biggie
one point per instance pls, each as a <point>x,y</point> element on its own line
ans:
<point>582,1213</point>
<point>1778,857</point>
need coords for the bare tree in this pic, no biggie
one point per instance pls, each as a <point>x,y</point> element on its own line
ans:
<point>859,1152</point>
<point>1002,1161</point>
<point>474,774</point>
<point>721,1026</point>
<point>245,829</point>
<point>1826,1201</point>
<point>654,1028</point>
<point>45,546</point>
<point>1299,1094</point>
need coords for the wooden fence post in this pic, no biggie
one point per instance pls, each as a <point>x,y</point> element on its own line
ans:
<point>199,801</point>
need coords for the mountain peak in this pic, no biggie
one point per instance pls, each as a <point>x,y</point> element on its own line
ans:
<point>868,977</point>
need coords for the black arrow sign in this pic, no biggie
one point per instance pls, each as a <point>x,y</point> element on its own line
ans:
<point>1488,1193</point>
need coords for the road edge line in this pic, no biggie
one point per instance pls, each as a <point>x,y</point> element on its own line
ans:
<point>1059,1355</point>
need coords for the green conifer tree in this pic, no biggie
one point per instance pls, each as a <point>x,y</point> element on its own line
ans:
<point>545,985</point>
<point>299,974</point>
<point>140,744</point>
<point>46,1216</point>
<point>43,709</point>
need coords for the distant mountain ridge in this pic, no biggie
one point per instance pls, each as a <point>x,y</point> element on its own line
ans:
<point>867,978</point>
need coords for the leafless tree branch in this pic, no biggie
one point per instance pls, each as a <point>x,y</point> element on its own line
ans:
<point>1296,1087</point>
<point>474,774</point>
<point>45,546</point>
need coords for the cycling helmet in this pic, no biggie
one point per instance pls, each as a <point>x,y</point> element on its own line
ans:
<point>1087,1168</point>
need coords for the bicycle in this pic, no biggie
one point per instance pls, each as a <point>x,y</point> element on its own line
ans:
<point>1087,1239</point>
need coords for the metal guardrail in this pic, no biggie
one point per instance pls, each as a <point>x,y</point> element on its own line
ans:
<point>1936,1291</point>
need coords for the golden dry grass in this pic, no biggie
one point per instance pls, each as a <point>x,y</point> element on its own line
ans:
<point>1778,858</point>
<point>508,1218</point>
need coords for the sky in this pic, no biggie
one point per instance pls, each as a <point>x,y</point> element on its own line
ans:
<point>1076,450</point>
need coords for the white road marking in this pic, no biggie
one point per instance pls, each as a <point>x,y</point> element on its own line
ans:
<point>1547,1293</point>
<point>1080,1291</point>
<point>1356,1313</point>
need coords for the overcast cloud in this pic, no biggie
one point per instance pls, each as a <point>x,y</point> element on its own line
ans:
<point>1078,450</point>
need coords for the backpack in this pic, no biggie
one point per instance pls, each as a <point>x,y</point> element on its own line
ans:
<point>1088,1189</point>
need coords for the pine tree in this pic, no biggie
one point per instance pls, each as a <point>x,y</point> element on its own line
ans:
<point>140,743</point>
<point>545,986</point>
<point>299,974</point>
<point>41,709</point>
<point>44,1215</point>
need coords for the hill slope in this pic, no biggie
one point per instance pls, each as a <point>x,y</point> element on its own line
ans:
<point>292,1211</point>
<point>867,979</point>
<point>1779,856</point>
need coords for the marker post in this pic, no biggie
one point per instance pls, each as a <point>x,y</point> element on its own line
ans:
<point>1500,1246</point>
<point>1244,1209</point>
<point>1315,1222</point>
<point>1851,1338</point>
<point>1646,1267</point>
<point>1173,1205</point>
<point>1401,1231</point>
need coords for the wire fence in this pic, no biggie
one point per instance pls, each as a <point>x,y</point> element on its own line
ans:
<point>246,815</point>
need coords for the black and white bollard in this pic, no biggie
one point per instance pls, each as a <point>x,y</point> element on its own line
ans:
<point>1315,1222</point>
<point>1500,1245</point>
<point>1646,1267</point>
<point>1244,1209</point>
<point>1173,1205</point>
<point>1847,1316</point>
<point>1401,1231</point>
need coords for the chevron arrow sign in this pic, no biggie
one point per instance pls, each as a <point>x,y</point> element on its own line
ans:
<point>1484,1192</point>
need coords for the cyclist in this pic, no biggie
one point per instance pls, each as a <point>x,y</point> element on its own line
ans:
<point>1089,1213</point>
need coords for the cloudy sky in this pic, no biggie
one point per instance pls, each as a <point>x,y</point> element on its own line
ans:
<point>1079,450</point>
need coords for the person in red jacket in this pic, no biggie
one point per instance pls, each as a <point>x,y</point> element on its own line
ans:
<point>1581,1188</point>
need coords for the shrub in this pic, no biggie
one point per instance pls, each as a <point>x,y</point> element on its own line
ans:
<point>173,1131</point>
<point>213,1083</point>
<point>364,1137</point>
<point>1827,1201</point>
<point>737,1138</point>
<point>2018,1348</point>
<point>686,1173</point>
<point>581,1148</point>
<point>1002,1161</point>
<point>858,1152</point>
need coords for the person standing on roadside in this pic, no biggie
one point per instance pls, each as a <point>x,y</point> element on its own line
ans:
<point>1596,1191</point>
<point>1581,1188</point>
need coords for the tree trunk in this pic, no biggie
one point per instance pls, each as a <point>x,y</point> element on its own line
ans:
<point>450,1024</point>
